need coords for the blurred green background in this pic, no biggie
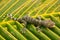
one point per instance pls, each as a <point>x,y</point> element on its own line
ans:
<point>46,9</point>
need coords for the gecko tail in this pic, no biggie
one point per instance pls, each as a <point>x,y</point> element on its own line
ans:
<point>11,17</point>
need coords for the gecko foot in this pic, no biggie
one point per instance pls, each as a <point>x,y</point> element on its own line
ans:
<point>38,29</point>
<point>23,30</point>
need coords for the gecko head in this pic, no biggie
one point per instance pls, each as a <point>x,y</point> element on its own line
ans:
<point>48,23</point>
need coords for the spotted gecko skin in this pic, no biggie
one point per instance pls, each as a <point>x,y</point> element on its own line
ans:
<point>37,22</point>
<point>30,20</point>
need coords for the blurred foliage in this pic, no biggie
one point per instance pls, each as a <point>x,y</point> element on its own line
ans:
<point>46,9</point>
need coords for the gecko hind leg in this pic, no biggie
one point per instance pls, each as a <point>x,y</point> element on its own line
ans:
<point>24,28</point>
<point>38,29</point>
<point>39,18</point>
